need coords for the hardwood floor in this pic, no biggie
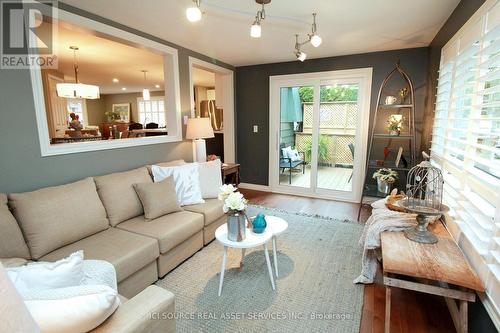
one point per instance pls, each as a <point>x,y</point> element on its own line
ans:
<point>411,311</point>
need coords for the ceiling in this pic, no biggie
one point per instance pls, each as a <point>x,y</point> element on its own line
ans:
<point>347,27</point>
<point>101,60</point>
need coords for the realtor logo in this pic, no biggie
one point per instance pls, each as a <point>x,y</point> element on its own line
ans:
<point>28,33</point>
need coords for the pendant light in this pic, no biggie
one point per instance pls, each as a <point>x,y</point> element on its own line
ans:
<point>256,29</point>
<point>194,14</point>
<point>145,92</point>
<point>77,89</point>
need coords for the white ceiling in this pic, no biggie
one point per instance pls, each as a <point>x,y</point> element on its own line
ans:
<point>347,27</point>
<point>100,60</point>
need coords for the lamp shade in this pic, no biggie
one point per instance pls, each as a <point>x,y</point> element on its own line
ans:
<point>77,90</point>
<point>199,128</point>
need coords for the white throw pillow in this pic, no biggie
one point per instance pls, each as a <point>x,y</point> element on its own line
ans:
<point>72,309</point>
<point>290,153</point>
<point>293,154</point>
<point>187,182</point>
<point>210,179</point>
<point>66,272</point>
<point>284,151</point>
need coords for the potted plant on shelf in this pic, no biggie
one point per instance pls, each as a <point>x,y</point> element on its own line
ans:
<point>394,124</point>
<point>385,179</point>
<point>112,116</point>
<point>234,207</point>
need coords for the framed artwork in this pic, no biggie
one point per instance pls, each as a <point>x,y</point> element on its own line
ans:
<point>124,111</point>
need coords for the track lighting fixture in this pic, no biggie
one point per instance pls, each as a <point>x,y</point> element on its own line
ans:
<point>298,53</point>
<point>193,14</point>
<point>312,38</point>
<point>256,29</point>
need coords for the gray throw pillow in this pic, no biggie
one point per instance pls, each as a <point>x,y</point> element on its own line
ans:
<point>158,199</point>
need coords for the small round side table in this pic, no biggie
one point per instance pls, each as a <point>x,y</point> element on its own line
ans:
<point>251,240</point>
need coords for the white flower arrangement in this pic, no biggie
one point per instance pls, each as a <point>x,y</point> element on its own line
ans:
<point>233,200</point>
<point>386,175</point>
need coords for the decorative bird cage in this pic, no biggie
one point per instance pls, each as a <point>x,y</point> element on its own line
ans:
<point>424,194</point>
<point>424,187</point>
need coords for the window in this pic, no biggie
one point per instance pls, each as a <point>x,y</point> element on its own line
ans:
<point>466,142</point>
<point>152,111</point>
<point>77,106</point>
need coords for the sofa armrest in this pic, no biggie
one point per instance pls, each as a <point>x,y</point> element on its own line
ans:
<point>152,310</point>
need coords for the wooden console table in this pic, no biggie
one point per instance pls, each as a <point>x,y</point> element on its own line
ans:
<point>438,269</point>
<point>230,173</point>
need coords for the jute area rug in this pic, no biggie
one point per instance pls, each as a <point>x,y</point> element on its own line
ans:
<point>317,259</point>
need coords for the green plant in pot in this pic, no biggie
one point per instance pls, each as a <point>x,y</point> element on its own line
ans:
<point>385,179</point>
<point>112,115</point>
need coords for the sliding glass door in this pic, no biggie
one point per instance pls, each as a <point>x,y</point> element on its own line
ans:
<point>319,126</point>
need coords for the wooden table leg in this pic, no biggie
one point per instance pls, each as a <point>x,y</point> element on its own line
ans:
<point>463,317</point>
<point>387,328</point>
<point>242,256</point>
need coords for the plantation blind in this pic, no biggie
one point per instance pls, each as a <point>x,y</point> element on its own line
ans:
<point>466,144</point>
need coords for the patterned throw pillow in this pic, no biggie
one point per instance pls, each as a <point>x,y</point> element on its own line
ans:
<point>186,179</point>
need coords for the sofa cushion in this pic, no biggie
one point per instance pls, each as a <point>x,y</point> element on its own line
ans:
<point>127,251</point>
<point>12,242</point>
<point>210,178</point>
<point>211,210</point>
<point>158,199</point>
<point>118,195</point>
<point>170,230</point>
<point>166,164</point>
<point>56,216</point>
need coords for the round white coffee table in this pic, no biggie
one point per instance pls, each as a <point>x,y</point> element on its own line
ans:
<point>277,226</point>
<point>251,240</point>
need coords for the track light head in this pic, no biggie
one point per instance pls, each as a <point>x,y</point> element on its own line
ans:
<point>301,56</point>
<point>194,14</point>
<point>256,29</point>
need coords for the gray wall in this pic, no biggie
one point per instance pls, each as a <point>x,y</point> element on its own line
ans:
<point>252,98</point>
<point>21,166</point>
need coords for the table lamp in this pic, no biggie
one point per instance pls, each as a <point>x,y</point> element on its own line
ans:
<point>198,129</point>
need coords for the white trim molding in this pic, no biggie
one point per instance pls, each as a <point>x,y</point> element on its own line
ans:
<point>227,104</point>
<point>172,96</point>
<point>255,187</point>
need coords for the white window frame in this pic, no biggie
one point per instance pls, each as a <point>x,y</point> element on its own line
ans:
<point>473,195</point>
<point>152,98</point>
<point>85,116</point>
<point>172,93</point>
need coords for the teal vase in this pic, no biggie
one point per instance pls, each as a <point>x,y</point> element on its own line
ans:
<point>259,224</point>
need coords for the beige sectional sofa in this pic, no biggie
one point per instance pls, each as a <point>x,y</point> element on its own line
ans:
<point>104,217</point>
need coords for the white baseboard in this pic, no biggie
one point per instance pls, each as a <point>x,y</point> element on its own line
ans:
<point>491,309</point>
<point>255,187</point>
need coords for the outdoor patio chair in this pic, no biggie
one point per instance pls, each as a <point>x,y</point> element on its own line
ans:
<point>287,163</point>
<point>351,147</point>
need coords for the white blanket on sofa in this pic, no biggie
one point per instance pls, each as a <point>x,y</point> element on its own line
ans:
<point>382,219</point>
